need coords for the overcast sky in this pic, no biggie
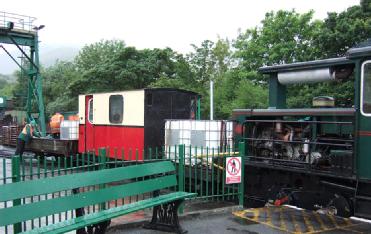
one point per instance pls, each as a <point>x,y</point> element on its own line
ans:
<point>155,23</point>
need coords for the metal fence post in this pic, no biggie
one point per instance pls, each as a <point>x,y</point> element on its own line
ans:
<point>242,150</point>
<point>102,165</point>
<point>16,177</point>
<point>181,177</point>
<point>181,168</point>
<point>102,158</point>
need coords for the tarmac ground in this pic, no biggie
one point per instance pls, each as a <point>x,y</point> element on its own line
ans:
<point>267,220</point>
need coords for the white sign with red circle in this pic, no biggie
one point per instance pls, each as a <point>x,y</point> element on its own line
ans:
<point>233,170</point>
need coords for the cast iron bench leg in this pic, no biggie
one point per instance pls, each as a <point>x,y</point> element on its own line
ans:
<point>165,218</point>
<point>99,228</point>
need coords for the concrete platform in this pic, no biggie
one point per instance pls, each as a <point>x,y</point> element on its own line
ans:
<point>268,220</point>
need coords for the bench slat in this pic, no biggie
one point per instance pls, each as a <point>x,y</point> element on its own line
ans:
<point>66,182</point>
<point>52,206</point>
<point>73,224</point>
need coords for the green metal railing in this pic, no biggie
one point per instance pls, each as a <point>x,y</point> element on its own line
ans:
<point>200,170</point>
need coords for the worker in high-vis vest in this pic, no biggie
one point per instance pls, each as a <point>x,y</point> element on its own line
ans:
<point>25,136</point>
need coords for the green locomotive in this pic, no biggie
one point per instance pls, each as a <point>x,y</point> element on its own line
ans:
<point>315,158</point>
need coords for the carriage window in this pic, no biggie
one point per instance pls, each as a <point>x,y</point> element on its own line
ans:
<point>116,108</point>
<point>91,114</point>
<point>366,88</point>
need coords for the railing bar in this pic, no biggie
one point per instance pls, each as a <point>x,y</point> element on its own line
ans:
<point>296,142</point>
<point>213,181</point>
<point>201,174</point>
<point>207,171</point>
<point>190,169</point>
<point>59,193</point>
<point>305,122</point>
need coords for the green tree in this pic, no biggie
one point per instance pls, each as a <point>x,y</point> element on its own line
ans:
<point>283,37</point>
<point>338,33</point>
<point>341,31</point>
<point>20,89</point>
<point>202,61</point>
<point>56,87</point>
<point>233,91</point>
<point>117,67</point>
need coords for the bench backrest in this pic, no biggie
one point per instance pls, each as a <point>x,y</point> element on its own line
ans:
<point>156,176</point>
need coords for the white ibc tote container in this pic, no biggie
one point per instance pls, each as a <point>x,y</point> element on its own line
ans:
<point>69,130</point>
<point>197,135</point>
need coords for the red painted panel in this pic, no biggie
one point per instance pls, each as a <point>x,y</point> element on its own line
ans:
<point>82,138</point>
<point>120,139</point>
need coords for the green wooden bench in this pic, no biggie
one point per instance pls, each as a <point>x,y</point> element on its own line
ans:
<point>152,178</point>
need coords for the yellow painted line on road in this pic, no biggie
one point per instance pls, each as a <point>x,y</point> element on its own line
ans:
<point>333,220</point>
<point>241,214</point>
<point>269,217</point>
<point>334,228</point>
<point>282,220</point>
<point>296,225</point>
<point>266,216</point>
<point>307,221</point>
<point>320,221</point>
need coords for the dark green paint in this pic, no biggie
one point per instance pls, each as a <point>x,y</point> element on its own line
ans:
<point>52,206</point>
<point>56,184</point>
<point>363,152</point>
<point>16,177</point>
<point>277,93</point>
<point>34,81</point>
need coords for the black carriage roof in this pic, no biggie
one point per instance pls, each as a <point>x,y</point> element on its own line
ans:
<point>172,89</point>
<point>361,50</point>
<point>150,89</point>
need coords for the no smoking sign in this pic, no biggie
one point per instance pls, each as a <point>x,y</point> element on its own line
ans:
<point>233,172</point>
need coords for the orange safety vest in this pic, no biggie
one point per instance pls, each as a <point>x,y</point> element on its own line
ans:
<point>24,131</point>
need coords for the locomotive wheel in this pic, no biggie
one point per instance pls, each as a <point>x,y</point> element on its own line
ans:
<point>333,203</point>
<point>341,205</point>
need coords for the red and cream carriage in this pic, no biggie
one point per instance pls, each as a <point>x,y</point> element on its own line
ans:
<point>131,121</point>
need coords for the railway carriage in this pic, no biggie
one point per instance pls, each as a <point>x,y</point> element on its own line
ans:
<point>130,121</point>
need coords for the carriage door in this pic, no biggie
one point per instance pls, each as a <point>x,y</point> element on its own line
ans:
<point>89,123</point>
<point>364,155</point>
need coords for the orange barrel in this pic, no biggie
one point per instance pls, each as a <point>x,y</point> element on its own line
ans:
<point>55,123</point>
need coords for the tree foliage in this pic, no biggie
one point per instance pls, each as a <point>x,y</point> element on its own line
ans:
<point>56,88</point>
<point>282,37</point>
<point>341,31</point>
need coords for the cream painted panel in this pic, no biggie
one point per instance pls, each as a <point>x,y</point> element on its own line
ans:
<point>101,107</point>
<point>134,108</point>
<point>82,109</point>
